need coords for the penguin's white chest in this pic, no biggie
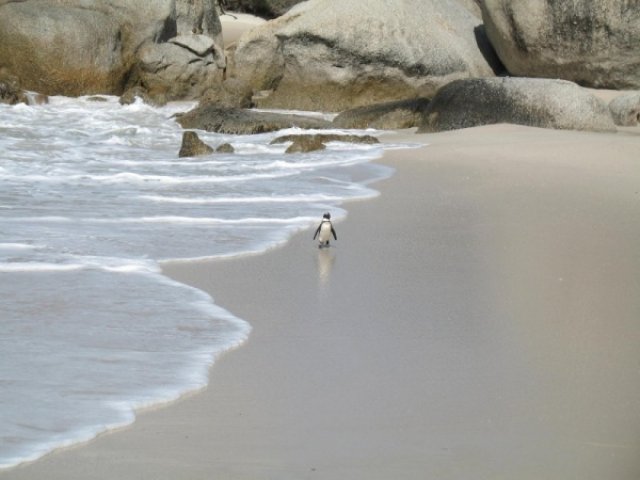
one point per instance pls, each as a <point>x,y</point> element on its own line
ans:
<point>325,232</point>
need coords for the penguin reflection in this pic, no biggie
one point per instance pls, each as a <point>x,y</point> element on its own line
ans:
<point>326,259</point>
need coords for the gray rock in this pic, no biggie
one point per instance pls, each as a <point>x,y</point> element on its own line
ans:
<point>384,116</point>
<point>326,138</point>
<point>175,71</point>
<point>10,90</point>
<point>309,143</point>
<point>231,93</point>
<point>201,45</point>
<point>200,17</point>
<point>130,96</point>
<point>524,101</point>
<point>473,6</point>
<point>334,54</point>
<point>62,49</point>
<point>82,47</point>
<point>625,109</point>
<point>593,43</point>
<point>212,118</point>
<point>225,148</point>
<point>192,146</point>
<point>304,144</point>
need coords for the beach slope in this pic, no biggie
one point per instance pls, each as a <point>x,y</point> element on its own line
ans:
<point>478,319</point>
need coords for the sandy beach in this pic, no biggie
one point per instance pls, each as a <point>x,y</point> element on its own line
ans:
<point>478,319</point>
<point>235,24</point>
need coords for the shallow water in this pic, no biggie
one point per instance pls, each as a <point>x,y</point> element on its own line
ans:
<point>92,198</point>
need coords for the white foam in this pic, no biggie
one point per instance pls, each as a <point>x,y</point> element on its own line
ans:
<point>15,267</point>
<point>259,199</point>
<point>17,246</point>
<point>93,196</point>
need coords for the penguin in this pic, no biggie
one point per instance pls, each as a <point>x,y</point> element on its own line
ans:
<point>325,230</point>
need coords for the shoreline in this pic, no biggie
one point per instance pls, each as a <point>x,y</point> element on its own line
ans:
<point>464,335</point>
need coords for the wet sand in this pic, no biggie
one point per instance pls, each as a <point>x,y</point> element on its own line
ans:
<point>479,319</point>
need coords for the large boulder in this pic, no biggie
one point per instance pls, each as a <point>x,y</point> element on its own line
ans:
<point>625,109</point>
<point>384,116</point>
<point>231,93</point>
<point>333,54</point>
<point>524,101</point>
<point>181,68</point>
<point>61,48</point>
<point>593,43</point>
<point>213,118</point>
<point>78,47</point>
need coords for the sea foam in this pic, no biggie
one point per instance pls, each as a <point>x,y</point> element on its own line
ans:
<point>92,197</point>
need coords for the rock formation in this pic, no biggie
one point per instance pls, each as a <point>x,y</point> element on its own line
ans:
<point>225,148</point>
<point>327,137</point>
<point>10,89</point>
<point>384,116</point>
<point>625,109</point>
<point>524,101</point>
<point>130,96</point>
<point>192,146</point>
<point>231,93</point>
<point>305,144</point>
<point>333,54</point>
<point>309,143</point>
<point>593,43</point>
<point>181,68</point>
<point>212,118</point>
<point>81,47</point>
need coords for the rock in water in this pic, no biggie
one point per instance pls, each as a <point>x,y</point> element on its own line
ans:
<point>192,146</point>
<point>330,55</point>
<point>213,118</point>
<point>524,101</point>
<point>593,43</point>
<point>304,144</point>
<point>10,91</point>
<point>225,148</point>
<point>327,137</point>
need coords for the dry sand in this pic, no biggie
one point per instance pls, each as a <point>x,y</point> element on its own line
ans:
<point>479,319</point>
<point>235,24</point>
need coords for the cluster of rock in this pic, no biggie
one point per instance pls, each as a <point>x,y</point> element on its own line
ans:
<point>193,146</point>
<point>332,55</point>
<point>435,64</point>
<point>172,48</point>
<point>525,101</point>
<point>591,43</point>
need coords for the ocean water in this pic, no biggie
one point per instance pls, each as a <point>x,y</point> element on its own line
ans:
<point>93,197</point>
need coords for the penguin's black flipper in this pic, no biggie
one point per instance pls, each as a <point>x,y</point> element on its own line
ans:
<point>334,232</point>
<point>317,232</point>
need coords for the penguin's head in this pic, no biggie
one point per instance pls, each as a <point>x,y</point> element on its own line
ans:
<point>327,216</point>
